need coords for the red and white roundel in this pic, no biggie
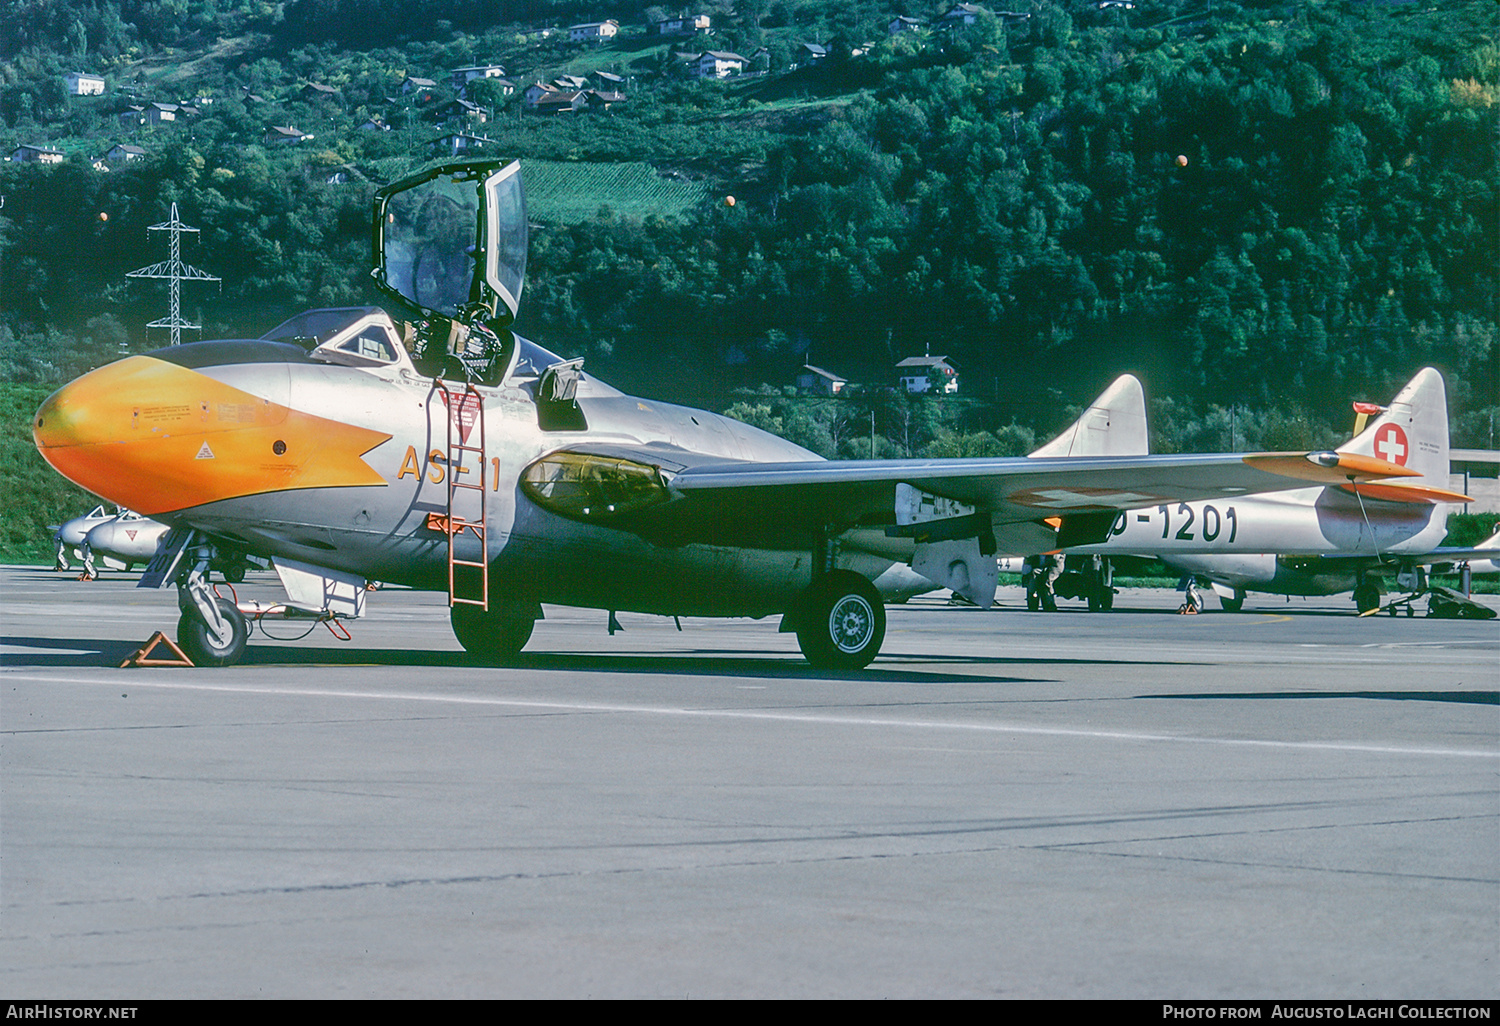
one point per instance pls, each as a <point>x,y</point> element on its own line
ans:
<point>1390,444</point>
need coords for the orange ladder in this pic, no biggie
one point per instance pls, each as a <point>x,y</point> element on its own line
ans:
<point>459,405</point>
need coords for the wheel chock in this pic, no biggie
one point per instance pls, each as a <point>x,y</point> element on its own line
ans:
<point>142,655</point>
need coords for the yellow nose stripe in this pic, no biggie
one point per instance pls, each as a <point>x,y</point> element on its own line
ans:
<point>156,437</point>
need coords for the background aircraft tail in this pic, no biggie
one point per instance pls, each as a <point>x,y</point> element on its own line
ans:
<point>1113,425</point>
<point>1412,431</point>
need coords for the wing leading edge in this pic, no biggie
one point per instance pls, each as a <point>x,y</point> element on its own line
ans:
<point>788,505</point>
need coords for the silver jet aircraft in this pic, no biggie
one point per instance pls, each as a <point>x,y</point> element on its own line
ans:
<point>121,543</point>
<point>451,454</point>
<point>70,535</point>
<point>1321,540</point>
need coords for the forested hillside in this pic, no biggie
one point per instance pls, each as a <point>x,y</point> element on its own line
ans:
<point>1263,209</point>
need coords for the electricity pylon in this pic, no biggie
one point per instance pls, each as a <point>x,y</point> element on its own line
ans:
<point>174,271</point>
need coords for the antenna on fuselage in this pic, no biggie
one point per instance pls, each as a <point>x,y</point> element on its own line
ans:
<point>174,271</point>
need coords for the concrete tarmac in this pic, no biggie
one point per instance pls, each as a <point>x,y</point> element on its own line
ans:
<point>1290,802</point>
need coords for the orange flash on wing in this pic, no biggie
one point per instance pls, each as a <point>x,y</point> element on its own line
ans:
<point>156,437</point>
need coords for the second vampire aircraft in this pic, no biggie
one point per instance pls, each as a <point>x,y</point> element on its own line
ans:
<point>452,454</point>
<point>1326,540</point>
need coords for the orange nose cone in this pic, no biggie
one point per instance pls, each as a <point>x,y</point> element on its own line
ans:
<point>157,437</point>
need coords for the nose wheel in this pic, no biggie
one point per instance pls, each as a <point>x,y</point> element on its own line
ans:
<point>206,644</point>
<point>842,623</point>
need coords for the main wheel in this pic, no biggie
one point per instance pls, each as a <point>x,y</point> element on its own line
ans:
<point>842,624</point>
<point>1235,604</point>
<point>496,635</point>
<point>1366,597</point>
<point>203,646</point>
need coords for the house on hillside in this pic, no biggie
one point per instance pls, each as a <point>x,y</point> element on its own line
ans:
<point>717,64</point>
<point>536,91</point>
<point>961,14</point>
<point>566,82</point>
<point>680,25</point>
<point>819,381</point>
<point>422,90</point>
<point>593,32</point>
<point>609,81</point>
<point>317,91</point>
<point>459,78</point>
<point>460,109</point>
<point>927,375</point>
<point>79,83</point>
<point>284,135</point>
<point>457,143</point>
<point>121,153</point>
<point>599,101</point>
<point>560,101</point>
<point>903,24</point>
<point>29,153</point>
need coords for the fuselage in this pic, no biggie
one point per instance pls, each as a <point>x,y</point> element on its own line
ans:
<point>1271,542</point>
<point>274,451</point>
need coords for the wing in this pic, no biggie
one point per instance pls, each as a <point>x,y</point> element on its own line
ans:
<point>789,505</point>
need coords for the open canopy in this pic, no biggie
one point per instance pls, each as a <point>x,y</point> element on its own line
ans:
<point>451,241</point>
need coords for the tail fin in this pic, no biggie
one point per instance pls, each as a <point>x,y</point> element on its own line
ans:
<point>1113,425</point>
<point>1412,431</point>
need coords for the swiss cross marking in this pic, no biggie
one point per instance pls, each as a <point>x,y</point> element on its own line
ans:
<point>1390,444</point>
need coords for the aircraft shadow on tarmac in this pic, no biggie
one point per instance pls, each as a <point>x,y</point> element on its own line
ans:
<point>95,653</point>
<point>1462,697</point>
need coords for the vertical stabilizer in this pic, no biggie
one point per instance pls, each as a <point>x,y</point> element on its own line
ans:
<point>1113,425</point>
<point>1412,432</point>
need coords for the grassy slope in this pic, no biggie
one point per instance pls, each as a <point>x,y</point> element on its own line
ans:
<point>563,193</point>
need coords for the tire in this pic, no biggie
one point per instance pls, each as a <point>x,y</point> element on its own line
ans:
<point>1107,599</point>
<point>1033,601</point>
<point>1232,605</point>
<point>1366,597</point>
<point>842,625</point>
<point>198,641</point>
<point>496,636</point>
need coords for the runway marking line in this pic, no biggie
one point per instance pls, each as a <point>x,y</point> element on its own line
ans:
<point>747,714</point>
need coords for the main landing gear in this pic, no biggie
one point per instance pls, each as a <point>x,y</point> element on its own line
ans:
<point>840,623</point>
<point>497,635</point>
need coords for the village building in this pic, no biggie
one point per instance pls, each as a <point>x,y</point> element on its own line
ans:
<point>593,32</point>
<point>599,100</point>
<point>560,101</point>
<point>317,91</point>
<point>536,91</point>
<point>903,24</point>
<point>284,135</point>
<point>819,381</point>
<point>681,25</point>
<point>457,143</point>
<point>461,109</point>
<point>459,78</point>
<point>28,153</point>
<point>961,14</point>
<point>81,83</point>
<point>122,153</point>
<point>423,90</point>
<point>925,375</point>
<point>717,64</point>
